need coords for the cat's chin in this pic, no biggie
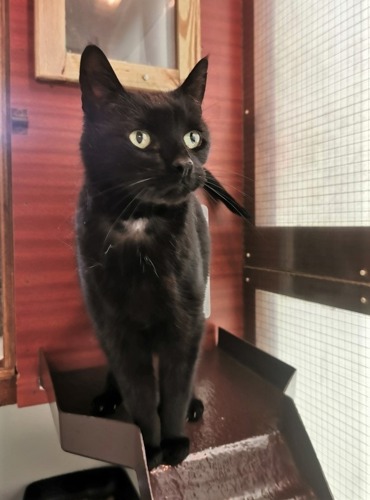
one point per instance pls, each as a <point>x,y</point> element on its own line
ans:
<point>171,196</point>
<point>168,201</point>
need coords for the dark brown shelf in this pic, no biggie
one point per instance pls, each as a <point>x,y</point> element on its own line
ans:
<point>248,420</point>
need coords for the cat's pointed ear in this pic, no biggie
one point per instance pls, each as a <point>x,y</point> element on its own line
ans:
<point>195,83</point>
<point>98,80</point>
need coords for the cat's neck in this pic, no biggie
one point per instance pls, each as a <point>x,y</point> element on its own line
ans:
<point>118,206</point>
<point>148,210</point>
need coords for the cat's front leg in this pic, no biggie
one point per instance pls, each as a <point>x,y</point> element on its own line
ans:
<point>176,378</point>
<point>131,365</point>
<point>176,449</point>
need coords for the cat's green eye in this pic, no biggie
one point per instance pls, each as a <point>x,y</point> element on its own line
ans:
<point>193,139</point>
<point>140,138</point>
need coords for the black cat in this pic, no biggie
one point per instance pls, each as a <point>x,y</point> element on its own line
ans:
<point>143,245</point>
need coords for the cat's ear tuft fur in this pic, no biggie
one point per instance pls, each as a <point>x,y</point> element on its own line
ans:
<point>98,80</point>
<point>195,83</point>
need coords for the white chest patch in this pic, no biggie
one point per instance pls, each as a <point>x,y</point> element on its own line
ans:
<point>135,228</point>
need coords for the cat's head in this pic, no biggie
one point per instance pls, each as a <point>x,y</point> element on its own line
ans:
<point>150,146</point>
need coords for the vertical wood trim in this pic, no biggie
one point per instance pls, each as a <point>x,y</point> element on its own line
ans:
<point>249,155</point>
<point>50,38</point>
<point>7,365</point>
<point>249,110</point>
<point>188,35</point>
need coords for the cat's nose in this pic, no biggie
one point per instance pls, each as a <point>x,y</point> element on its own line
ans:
<point>183,164</point>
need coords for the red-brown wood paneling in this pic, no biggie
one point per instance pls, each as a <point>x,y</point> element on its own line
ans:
<point>221,24</point>
<point>46,178</point>
<point>46,175</point>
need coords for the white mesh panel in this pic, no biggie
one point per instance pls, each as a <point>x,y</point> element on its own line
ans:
<point>312,82</point>
<point>330,348</point>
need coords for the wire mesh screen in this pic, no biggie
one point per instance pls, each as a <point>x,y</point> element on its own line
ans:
<point>331,350</point>
<point>312,102</point>
<point>312,82</point>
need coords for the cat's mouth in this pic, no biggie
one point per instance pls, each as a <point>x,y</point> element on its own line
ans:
<point>185,185</point>
<point>167,191</point>
<point>192,182</point>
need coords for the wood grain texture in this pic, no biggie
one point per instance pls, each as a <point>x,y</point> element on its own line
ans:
<point>7,356</point>
<point>47,175</point>
<point>8,390</point>
<point>221,29</point>
<point>188,35</point>
<point>249,155</point>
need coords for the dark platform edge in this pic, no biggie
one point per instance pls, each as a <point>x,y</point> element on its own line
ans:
<point>75,430</point>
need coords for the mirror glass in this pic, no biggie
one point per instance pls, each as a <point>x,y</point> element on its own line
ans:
<point>135,31</point>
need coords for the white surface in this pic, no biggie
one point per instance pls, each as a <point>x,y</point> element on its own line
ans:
<point>30,450</point>
<point>312,80</point>
<point>312,108</point>
<point>330,348</point>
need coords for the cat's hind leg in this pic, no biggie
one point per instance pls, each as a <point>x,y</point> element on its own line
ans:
<point>108,401</point>
<point>195,409</point>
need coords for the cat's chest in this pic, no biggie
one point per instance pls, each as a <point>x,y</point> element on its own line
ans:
<point>138,246</point>
<point>126,233</point>
<point>133,229</point>
<point>142,233</point>
<point>138,257</point>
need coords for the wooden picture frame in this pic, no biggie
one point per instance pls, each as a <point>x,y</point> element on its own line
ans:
<point>53,62</point>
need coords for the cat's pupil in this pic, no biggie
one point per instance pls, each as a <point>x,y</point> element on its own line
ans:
<point>193,137</point>
<point>139,137</point>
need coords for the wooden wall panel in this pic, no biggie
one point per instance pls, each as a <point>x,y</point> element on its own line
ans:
<point>46,179</point>
<point>46,175</point>
<point>221,25</point>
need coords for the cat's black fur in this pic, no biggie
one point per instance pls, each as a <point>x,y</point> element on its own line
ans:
<point>143,246</point>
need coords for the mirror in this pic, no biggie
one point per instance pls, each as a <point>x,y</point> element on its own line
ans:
<point>151,45</point>
<point>136,31</point>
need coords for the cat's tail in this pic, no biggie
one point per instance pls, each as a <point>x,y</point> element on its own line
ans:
<point>215,189</point>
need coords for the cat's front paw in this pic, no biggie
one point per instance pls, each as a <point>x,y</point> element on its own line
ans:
<point>105,404</point>
<point>195,410</point>
<point>154,456</point>
<point>175,450</point>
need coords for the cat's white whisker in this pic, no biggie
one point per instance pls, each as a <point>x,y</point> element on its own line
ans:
<point>107,250</point>
<point>149,261</point>
<point>224,173</point>
<point>242,193</point>
<point>123,186</point>
<point>229,201</point>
